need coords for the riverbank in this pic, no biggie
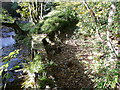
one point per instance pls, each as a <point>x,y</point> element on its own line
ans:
<point>10,48</point>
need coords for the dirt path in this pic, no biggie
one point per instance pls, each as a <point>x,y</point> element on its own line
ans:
<point>69,72</point>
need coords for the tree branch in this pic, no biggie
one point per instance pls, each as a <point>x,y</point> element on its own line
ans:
<point>91,11</point>
<point>95,18</point>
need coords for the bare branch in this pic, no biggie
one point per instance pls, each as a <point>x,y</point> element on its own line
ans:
<point>91,11</point>
<point>95,18</point>
<point>110,22</point>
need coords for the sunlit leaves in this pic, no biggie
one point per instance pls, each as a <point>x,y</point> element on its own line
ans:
<point>37,67</point>
<point>105,73</point>
<point>5,17</point>
<point>25,10</point>
<point>4,66</point>
<point>57,20</point>
<point>11,55</point>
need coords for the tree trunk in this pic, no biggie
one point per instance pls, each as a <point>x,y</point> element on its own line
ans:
<point>17,29</point>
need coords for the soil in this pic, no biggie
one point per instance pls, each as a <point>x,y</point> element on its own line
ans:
<point>69,72</point>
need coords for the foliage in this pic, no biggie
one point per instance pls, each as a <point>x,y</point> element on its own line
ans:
<point>26,27</point>
<point>11,55</point>
<point>25,11</point>
<point>105,74</point>
<point>7,59</point>
<point>24,40</point>
<point>92,24</point>
<point>37,74</point>
<point>35,10</point>
<point>53,21</point>
<point>89,26</point>
<point>5,68</point>
<point>103,69</point>
<point>36,27</point>
<point>56,21</point>
<point>5,16</point>
<point>14,5</point>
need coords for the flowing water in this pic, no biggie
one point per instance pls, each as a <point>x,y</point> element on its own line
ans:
<point>7,41</point>
<point>7,45</point>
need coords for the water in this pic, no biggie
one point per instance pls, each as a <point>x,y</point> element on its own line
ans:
<point>7,37</point>
<point>7,42</point>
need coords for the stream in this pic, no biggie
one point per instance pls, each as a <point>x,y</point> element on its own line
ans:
<point>7,41</point>
<point>8,45</point>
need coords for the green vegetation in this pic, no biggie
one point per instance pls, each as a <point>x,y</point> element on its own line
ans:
<point>5,16</point>
<point>37,76</point>
<point>7,66</point>
<point>95,30</point>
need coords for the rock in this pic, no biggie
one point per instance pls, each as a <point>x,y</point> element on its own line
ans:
<point>13,63</point>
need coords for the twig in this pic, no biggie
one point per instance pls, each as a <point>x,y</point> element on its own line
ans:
<point>95,18</point>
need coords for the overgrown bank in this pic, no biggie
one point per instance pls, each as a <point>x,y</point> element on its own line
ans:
<point>82,39</point>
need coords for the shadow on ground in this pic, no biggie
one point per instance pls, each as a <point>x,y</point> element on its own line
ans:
<point>69,72</point>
